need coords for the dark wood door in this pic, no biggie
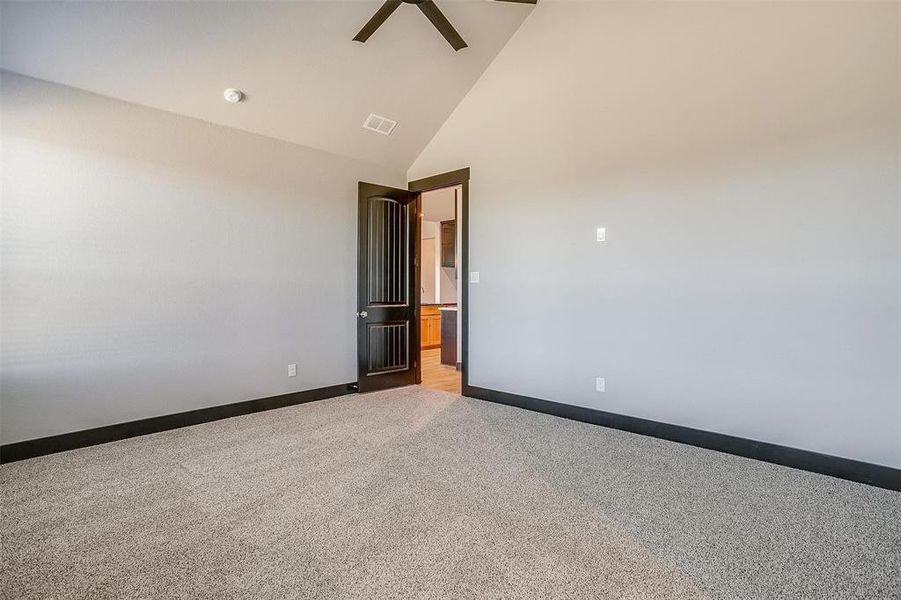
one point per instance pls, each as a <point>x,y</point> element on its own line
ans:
<point>387,324</point>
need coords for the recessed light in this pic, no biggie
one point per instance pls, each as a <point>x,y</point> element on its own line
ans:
<point>233,95</point>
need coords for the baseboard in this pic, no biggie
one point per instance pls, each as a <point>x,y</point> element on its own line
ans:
<point>825,464</point>
<point>121,431</point>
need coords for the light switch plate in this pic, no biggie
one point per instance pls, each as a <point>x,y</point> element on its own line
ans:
<point>602,234</point>
<point>600,384</point>
<point>474,277</point>
<point>292,370</point>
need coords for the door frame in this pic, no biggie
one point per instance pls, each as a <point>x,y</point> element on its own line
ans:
<point>444,180</point>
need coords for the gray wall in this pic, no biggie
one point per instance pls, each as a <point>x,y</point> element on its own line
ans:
<point>154,264</point>
<point>744,158</point>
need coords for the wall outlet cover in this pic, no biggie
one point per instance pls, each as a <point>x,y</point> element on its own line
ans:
<point>292,370</point>
<point>602,234</point>
<point>600,384</point>
<point>474,277</point>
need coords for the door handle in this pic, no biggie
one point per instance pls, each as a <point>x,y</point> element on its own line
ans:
<point>362,314</point>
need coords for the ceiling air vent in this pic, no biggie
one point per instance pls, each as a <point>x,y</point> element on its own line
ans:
<point>379,124</point>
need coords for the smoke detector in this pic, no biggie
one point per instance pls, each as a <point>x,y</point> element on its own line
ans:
<point>379,124</point>
<point>233,95</point>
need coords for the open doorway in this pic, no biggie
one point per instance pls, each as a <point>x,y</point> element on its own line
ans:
<point>440,289</point>
<point>391,326</point>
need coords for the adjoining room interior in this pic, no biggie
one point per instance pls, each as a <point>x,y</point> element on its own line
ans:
<point>441,295</point>
<point>645,343</point>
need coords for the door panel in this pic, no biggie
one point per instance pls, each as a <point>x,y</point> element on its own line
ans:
<point>388,245</point>
<point>389,347</point>
<point>386,318</point>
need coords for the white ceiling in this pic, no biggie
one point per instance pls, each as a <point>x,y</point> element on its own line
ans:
<point>306,81</point>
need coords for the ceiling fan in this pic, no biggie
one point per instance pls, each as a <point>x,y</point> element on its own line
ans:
<point>430,10</point>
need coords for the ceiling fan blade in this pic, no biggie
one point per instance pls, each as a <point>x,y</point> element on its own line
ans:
<point>430,10</point>
<point>380,16</point>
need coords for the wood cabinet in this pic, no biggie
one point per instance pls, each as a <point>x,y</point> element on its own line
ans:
<point>430,327</point>
<point>448,244</point>
<point>449,337</point>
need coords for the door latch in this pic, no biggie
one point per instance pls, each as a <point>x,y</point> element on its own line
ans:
<point>362,314</point>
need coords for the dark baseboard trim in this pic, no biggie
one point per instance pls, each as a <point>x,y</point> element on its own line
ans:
<point>825,464</point>
<point>121,431</point>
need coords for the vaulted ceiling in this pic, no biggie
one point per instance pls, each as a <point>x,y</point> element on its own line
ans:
<point>306,81</point>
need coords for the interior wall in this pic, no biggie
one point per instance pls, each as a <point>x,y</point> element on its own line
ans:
<point>439,205</point>
<point>154,264</point>
<point>448,285</point>
<point>744,159</point>
<point>429,260</point>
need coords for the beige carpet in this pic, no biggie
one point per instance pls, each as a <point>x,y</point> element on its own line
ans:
<point>414,493</point>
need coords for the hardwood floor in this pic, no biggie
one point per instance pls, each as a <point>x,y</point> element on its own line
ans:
<point>438,376</point>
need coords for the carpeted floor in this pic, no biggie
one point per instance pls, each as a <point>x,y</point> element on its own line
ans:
<point>415,493</point>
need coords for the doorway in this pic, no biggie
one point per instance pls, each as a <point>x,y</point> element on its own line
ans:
<point>443,205</point>
<point>440,292</point>
<point>400,338</point>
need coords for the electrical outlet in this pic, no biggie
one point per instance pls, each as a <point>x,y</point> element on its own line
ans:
<point>292,370</point>
<point>602,234</point>
<point>600,384</point>
<point>474,277</point>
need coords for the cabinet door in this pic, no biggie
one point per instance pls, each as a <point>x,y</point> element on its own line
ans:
<point>435,330</point>
<point>430,329</point>
<point>424,333</point>
<point>448,243</point>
